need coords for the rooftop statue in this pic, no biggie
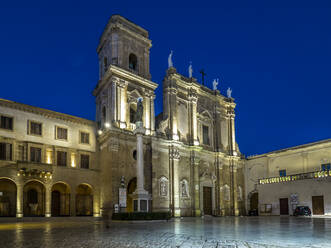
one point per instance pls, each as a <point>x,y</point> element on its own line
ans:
<point>229,92</point>
<point>215,83</point>
<point>190,70</point>
<point>170,64</point>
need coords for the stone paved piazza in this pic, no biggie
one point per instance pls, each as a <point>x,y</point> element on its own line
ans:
<point>187,232</point>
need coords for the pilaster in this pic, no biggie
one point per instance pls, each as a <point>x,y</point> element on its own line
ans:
<point>48,200</point>
<point>19,200</point>
<point>174,158</point>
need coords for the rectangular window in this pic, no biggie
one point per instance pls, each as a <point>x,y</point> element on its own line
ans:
<point>84,161</point>
<point>205,135</point>
<point>35,128</point>
<point>6,122</point>
<point>84,138</point>
<point>326,167</point>
<point>5,151</point>
<point>35,154</point>
<point>61,133</point>
<point>61,158</point>
<point>282,173</point>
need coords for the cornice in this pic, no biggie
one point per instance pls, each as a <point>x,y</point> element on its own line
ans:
<point>45,112</point>
<point>125,75</point>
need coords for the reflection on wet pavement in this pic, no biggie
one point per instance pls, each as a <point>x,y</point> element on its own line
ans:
<point>188,232</point>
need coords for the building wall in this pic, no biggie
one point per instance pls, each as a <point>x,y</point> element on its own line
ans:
<point>296,160</point>
<point>22,171</point>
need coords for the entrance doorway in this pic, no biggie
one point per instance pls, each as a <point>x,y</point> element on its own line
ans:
<point>283,205</point>
<point>60,199</point>
<point>7,197</point>
<point>318,205</point>
<point>207,201</point>
<point>254,201</point>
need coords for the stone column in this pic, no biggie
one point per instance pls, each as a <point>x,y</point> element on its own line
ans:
<point>19,200</point>
<point>173,112</point>
<point>235,191</point>
<point>152,114</point>
<point>114,101</point>
<point>221,190</point>
<point>195,161</point>
<point>194,122</point>
<point>174,158</point>
<point>48,200</point>
<point>140,195</point>
<point>123,103</point>
<point>232,133</point>
<point>96,204</point>
<point>147,114</point>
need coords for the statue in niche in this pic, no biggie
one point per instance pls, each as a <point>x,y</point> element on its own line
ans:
<point>184,189</point>
<point>170,64</point>
<point>226,192</point>
<point>163,187</point>
<point>190,70</point>
<point>140,110</point>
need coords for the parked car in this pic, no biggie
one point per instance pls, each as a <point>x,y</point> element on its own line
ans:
<point>253,212</point>
<point>302,210</point>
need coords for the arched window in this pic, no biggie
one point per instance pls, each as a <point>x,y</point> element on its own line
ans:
<point>104,113</point>
<point>133,62</point>
<point>132,115</point>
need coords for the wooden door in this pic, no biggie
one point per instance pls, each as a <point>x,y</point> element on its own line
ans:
<point>318,205</point>
<point>207,201</point>
<point>283,205</point>
<point>56,203</point>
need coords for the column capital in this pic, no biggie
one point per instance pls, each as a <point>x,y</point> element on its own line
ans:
<point>174,153</point>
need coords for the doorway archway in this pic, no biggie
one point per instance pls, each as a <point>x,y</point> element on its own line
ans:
<point>84,200</point>
<point>60,200</point>
<point>132,185</point>
<point>8,193</point>
<point>34,199</point>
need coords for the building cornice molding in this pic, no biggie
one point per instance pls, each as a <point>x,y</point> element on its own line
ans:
<point>45,112</point>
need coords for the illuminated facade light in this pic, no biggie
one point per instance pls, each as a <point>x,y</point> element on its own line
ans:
<point>107,125</point>
<point>73,160</point>
<point>99,132</point>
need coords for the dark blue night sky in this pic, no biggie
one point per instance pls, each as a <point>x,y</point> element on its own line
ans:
<point>275,55</point>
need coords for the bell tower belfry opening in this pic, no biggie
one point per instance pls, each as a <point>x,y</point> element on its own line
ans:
<point>124,76</point>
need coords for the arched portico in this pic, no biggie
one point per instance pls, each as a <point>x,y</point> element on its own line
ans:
<point>34,199</point>
<point>8,197</point>
<point>60,199</point>
<point>84,200</point>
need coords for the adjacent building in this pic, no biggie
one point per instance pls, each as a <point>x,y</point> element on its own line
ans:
<point>279,181</point>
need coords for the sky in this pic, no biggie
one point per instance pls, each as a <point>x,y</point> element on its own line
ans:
<point>275,55</point>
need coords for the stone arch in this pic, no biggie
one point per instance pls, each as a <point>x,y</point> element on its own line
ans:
<point>60,203</point>
<point>34,198</point>
<point>131,188</point>
<point>84,200</point>
<point>8,196</point>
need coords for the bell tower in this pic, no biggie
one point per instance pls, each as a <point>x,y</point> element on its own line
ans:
<point>124,76</point>
<point>125,45</point>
